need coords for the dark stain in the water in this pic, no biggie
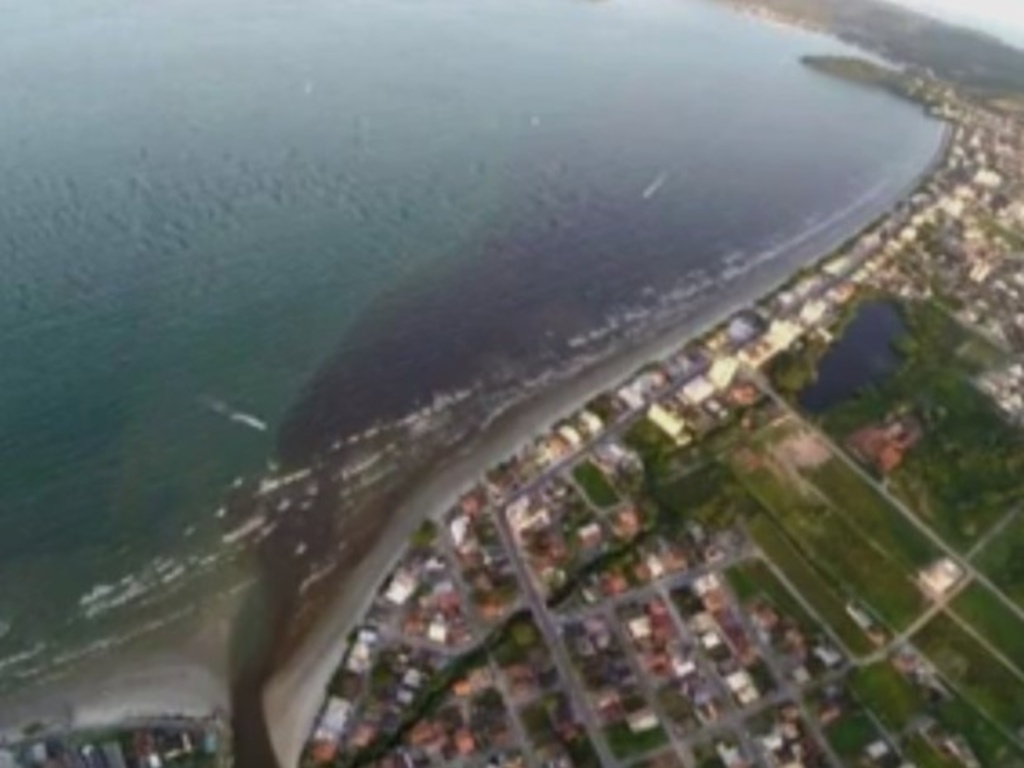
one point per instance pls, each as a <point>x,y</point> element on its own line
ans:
<point>500,315</point>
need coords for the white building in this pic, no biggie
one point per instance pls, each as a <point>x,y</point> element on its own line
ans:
<point>939,578</point>
<point>401,588</point>
<point>723,371</point>
<point>668,423</point>
<point>591,422</point>
<point>698,390</point>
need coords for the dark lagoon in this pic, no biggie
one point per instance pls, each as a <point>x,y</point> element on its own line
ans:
<point>864,355</point>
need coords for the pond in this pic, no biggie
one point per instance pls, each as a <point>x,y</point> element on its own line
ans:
<point>862,356</point>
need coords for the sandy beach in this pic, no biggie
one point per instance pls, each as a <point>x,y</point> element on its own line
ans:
<point>168,685</point>
<point>183,673</point>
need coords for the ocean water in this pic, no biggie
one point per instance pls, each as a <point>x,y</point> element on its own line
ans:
<point>235,232</point>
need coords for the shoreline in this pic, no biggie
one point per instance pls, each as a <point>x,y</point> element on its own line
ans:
<point>294,693</point>
<point>163,684</point>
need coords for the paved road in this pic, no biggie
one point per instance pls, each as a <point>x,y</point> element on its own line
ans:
<point>554,642</point>
<point>672,581</point>
<point>611,432</point>
<point>646,684</point>
<point>996,530</point>
<point>783,682</point>
<point>733,721</point>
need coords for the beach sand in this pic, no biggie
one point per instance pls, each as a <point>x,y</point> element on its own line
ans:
<point>178,672</point>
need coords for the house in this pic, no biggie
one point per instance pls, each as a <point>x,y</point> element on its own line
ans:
<point>362,651</point>
<point>812,312</point>
<point>744,328</point>
<point>591,422</point>
<point>333,719</point>
<point>632,395</point>
<point>722,372</point>
<point>642,720</point>
<point>401,588</point>
<point>568,433</point>
<point>940,577</point>
<point>667,422</point>
<point>639,628</point>
<point>698,390</point>
<point>113,755</point>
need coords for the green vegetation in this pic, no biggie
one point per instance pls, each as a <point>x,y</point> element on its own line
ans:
<point>982,679</point>
<point>923,755</point>
<point>826,601</point>
<point>435,691</point>
<point>989,617</point>
<point>837,549</point>
<point>425,535</point>
<point>851,734</point>
<point>654,447</point>
<point>1002,560</point>
<point>892,698</point>
<point>744,580</point>
<point>595,485</point>
<point>795,369</point>
<point>1010,236</point>
<point>33,729</point>
<point>992,746</point>
<point>539,721</point>
<point>677,706</point>
<point>519,637</point>
<point>979,63</point>
<point>756,579</point>
<point>873,515</point>
<point>708,493</point>
<point>969,467</point>
<point>864,72</point>
<point>624,743</point>
<point>672,496</point>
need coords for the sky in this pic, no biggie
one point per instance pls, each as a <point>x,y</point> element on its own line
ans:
<point>1003,18</point>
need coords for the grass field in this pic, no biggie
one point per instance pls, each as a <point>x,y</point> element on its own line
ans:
<point>624,743</point>
<point>818,593</point>
<point>595,485</point>
<point>991,746</point>
<point>983,680</point>
<point>989,617</point>
<point>837,548</point>
<point>969,468</point>
<point>1002,560</point>
<point>923,755</point>
<point>745,580</point>
<point>873,515</point>
<point>851,734</point>
<point>756,580</point>
<point>707,493</point>
<point>893,698</point>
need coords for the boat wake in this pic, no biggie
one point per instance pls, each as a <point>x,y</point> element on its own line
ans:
<point>239,417</point>
<point>655,186</point>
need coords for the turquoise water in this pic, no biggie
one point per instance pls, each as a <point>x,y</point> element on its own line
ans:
<point>321,214</point>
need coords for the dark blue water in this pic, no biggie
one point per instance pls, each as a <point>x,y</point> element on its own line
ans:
<point>323,214</point>
<point>863,356</point>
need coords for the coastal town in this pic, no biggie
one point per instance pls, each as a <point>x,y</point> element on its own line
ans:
<point>195,743</point>
<point>794,541</point>
<point>735,557</point>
